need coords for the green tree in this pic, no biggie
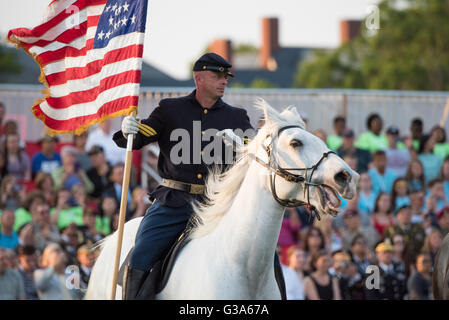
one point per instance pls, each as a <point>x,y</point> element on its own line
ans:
<point>410,51</point>
<point>8,62</point>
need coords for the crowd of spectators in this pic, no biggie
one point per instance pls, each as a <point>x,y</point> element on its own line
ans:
<point>56,201</point>
<point>389,232</point>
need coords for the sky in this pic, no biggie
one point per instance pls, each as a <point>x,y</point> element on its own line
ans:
<point>178,31</point>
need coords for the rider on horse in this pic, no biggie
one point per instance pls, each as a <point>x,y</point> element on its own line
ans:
<point>182,181</point>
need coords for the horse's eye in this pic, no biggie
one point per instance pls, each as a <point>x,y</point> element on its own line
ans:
<point>296,143</point>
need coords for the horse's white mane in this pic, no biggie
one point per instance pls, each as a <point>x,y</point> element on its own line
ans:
<point>221,188</point>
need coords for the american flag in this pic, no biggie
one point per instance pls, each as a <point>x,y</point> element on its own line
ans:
<point>90,54</point>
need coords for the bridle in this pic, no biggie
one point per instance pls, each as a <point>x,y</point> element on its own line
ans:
<point>277,170</point>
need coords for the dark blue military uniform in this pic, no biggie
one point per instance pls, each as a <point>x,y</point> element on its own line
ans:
<point>169,214</point>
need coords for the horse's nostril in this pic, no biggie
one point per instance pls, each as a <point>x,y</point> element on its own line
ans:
<point>342,177</point>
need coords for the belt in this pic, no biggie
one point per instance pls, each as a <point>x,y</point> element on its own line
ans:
<point>182,186</point>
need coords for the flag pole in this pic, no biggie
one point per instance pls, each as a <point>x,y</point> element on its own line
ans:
<point>123,202</point>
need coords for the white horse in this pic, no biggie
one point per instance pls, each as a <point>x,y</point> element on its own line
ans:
<point>230,254</point>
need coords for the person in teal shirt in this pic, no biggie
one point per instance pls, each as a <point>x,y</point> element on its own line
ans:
<point>334,141</point>
<point>8,237</point>
<point>382,178</point>
<point>373,140</point>
<point>430,161</point>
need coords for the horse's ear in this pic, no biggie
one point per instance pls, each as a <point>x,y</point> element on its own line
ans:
<point>291,113</point>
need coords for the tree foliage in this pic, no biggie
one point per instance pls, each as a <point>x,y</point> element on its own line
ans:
<point>410,51</point>
<point>8,63</point>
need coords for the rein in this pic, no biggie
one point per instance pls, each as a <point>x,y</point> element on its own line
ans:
<point>277,170</point>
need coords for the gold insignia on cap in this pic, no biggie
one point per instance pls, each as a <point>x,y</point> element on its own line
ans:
<point>221,69</point>
<point>204,67</point>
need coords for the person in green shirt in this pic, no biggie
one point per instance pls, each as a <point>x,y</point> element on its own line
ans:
<point>373,140</point>
<point>441,147</point>
<point>334,141</point>
<point>416,129</point>
<point>24,215</point>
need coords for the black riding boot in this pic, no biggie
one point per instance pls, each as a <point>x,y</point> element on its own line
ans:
<point>279,275</point>
<point>132,282</point>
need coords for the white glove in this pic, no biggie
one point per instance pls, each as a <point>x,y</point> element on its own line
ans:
<point>130,125</point>
<point>230,138</point>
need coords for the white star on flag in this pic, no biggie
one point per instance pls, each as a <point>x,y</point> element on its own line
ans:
<point>124,20</point>
<point>125,6</point>
<point>100,35</point>
<point>133,19</point>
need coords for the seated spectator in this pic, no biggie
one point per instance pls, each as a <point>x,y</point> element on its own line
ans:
<point>28,264</point>
<point>102,136</point>
<point>347,147</point>
<point>349,280</point>
<point>44,232</point>
<point>70,174</point>
<point>399,193</point>
<point>11,127</point>
<point>436,190</point>
<point>141,202</point>
<point>9,239</point>
<point>100,171</point>
<point>367,197</point>
<point>353,228</point>
<point>11,283</point>
<point>432,243</point>
<point>415,176</point>
<point>294,283</point>
<point>401,259</point>
<point>441,147</point>
<point>335,140</point>
<point>443,221</point>
<point>66,210</point>
<point>313,242</point>
<point>47,160</point>
<point>413,234</point>
<point>17,163</point>
<point>296,260</point>
<point>93,227</point>
<point>26,235</point>
<point>430,213</point>
<point>332,238</point>
<point>420,283</point>
<point>351,160</point>
<point>372,140</point>
<point>71,237</point>
<point>289,231</point>
<point>11,193</point>
<point>361,255</point>
<point>430,161</point>
<point>11,259</point>
<point>109,209</point>
<point>444,175</point>
<point>24,215</point>
<point>51,280</point>
<point>79,141</point>
<point>416,206</point>
<point>416,130</point>
<point>320,133</point>
<point>381,177</point>
<point>44,183</point>
<point>397,158</point>
<point>392,284</point>
<point>86,260</point>
<point>382,217</point>
<point>320,285</point>
<point>115,190</point>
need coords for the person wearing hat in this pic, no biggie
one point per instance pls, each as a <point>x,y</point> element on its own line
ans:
<point>47,160</point>
<point>100,171</point>
<point>348,148</point>
<point>182,179</point>
<point>413,233</point>
<point>392,284</point>
<point>398,154</point>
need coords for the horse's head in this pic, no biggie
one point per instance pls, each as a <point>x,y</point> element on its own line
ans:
<point>302,170</point>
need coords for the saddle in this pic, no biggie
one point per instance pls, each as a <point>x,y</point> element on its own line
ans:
<point>157,277</point>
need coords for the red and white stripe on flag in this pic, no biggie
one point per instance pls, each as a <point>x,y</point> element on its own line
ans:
<point>90,54</point>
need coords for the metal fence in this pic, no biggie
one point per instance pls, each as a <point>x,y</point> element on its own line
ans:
<point>319,106</point>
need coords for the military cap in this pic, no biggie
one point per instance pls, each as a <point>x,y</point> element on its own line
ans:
<point>384,247</point>
<point>213,62</point>
<point>95,149</point>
